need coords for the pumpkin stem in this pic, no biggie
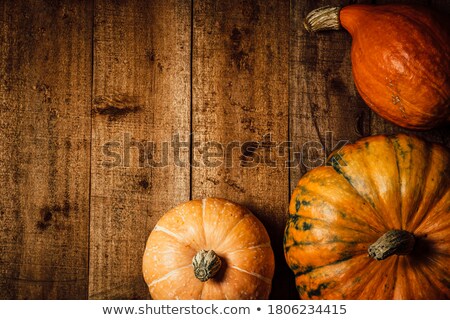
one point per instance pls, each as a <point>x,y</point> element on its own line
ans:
<point>206,264</point>
<point>398,242</point>
<point>324,18</point>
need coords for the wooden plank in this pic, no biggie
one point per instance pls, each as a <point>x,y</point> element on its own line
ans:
<point>240,94</point>
<point>45,96</point>
<point>326,110</point>
<point>141,95</point>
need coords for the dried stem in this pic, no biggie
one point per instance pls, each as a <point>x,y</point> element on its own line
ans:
<point>324,18</point>
<point>206,265</point>
<point>399,242</point>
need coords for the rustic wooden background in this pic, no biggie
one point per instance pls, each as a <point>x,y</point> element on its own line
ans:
<point>76,75</point>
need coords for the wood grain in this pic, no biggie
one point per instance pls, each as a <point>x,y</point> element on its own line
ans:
<point>97,102</point>
<point>141,95</point>
<point>325,108</point>
<point>240,95</point>
<point>45,94</point>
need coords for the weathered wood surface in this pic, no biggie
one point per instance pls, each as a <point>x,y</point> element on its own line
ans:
<point>97,102</point>
<point>45,105</point>
<point>239,98</point>
<point>141,95</point>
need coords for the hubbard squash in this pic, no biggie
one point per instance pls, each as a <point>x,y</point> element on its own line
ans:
<point>208,249</point>
<point>400,59</point>
<point>374,223</point>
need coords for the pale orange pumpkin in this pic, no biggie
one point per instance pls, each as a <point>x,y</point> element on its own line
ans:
<point>208,249</point>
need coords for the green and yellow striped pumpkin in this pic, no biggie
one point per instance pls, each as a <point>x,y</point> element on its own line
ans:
<point>374,223</point>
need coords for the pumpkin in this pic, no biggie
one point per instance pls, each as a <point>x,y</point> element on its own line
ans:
<point>208,249</point>
<point>374,223</point>
<point>400,59</point>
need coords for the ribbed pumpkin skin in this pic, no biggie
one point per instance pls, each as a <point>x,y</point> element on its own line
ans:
<point>378,184</point>
<point>233,232</point>
<point>401,62</point>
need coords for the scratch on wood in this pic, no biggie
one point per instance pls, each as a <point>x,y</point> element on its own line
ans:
<point>234,185</point>
<point>144,183</point>
<point>117,105</point>
<point>48,214</point>
<point>313,107</point>
<point>44,90</point>
<point>248,124</point>
<point>239,57</point>
<point>213,180</point>
<point>360,120</point>
<point>251,11</point>
<point>150,55</point>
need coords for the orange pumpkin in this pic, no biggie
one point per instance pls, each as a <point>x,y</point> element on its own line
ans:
<point>374,223</point>
<point>208,249</point>
<point>400,59</point>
